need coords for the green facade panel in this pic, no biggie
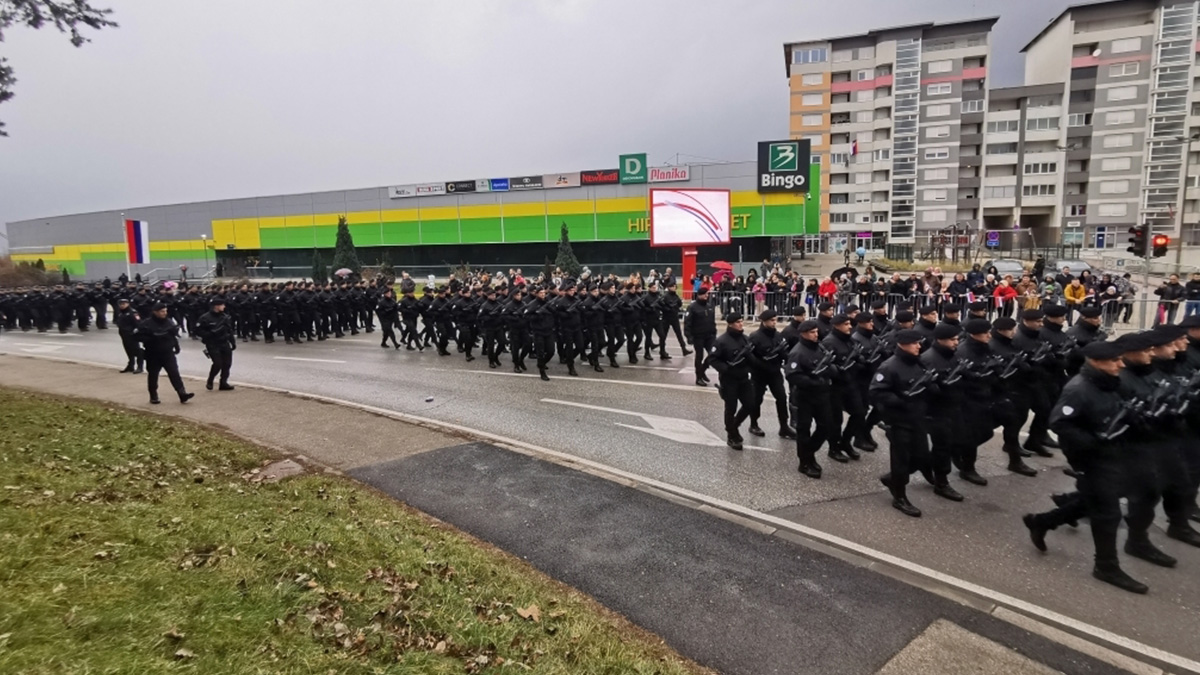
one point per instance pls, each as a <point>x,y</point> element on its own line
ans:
<point>481,230</point>
<point>439,232</point>
<point>400,234</point>
<point>582,226</point>
<point>272,237</point>
<point>525,229</point>
<point>624,225</point>
<point>364,234</point>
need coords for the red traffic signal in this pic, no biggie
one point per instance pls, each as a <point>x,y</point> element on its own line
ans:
<point>1160,242</point>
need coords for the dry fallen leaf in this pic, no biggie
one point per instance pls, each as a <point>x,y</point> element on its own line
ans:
<point>174,634</point>
<point>440,647</point>
<point>185,654</point>
<point>60,588</point>
<point>532,613</point>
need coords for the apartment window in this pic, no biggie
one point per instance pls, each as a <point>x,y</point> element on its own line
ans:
<point>812,99</point>
<point>1003,126</point>
<point>937,132</point>
<point>1037,190</point>
<point>861,178</point>
<point>939,89</point>
<point>1113,210</point>
<point>864,116</point>
<point>1119,117</point>
<point>1114,187</point>
<point>862,197</point>
<point>1000,192</point>
<point>1077,210</point>
<point>937,174</point>
<point>863,218</point>
<point>1040,167</point>
<point>941,66</point>
<point>1122,94</point>
<point>935,195</point>
<point>972,106</point>
<point>843,55</point>
<point>839,158</point>
<point>812,55</point>
<point>879,217</point>
<point>1123,69</point>
<point>815,140</point>
<point>1079,120</point>
<point>866,52</point>
<point>811,120</point>
<point>933,216</point>
<point>864,75</point>
<point>839,217</point>
<point>864,96</point>
<point>839,198</point>
<point>810,79</point>
<point>1118,141</point>
<point>1041,124</point>
<point>1002,149</point>
<point>940,110</point>
<point>937,153</point>
<point>883,154</point>
<point>1127,45</point>
<point>1116,164</point>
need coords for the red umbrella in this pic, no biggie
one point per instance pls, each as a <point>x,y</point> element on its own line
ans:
<point>721,265</point>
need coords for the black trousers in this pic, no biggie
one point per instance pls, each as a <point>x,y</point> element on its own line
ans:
<point>978,427</point>
<point>1164,479</point>
<point>704,347</point>
<point>572,344</point>
<point>222,361</point>
<point>672,322</point>
<point>133,350</point>
<point>616,338</point>
<point>543,347</point>
<point>633,339</point>
<point>1100,487</point>
<point>1041,399</point>
<point>854,404</point>
<point>387,327</point>
<point>517,345</point>
<point>650,329</point>
<point>596,344</point>
<point>156,364</point>
<point>408,331</point>
<point>908,452</point>
<point>946,434</point>
<point>774,382</point>
<point>738,394</point>
<point>813,409</point>
<point>491,344</point>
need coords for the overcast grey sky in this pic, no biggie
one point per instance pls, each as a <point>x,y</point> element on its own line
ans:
<point>192,100</point>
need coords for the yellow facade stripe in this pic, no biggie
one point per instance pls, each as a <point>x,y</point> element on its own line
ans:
<point>524,209</point>
<point>269,221</point>
<point>743,199</point>
<point>780,198</point>
<point>439,213</point>
<point>480,211</point>
<point>627,204</point>
<point>361,218</point>
<point>400,216</point>
<point>332,218</point>
<point>224,233</point>
<point>569,207</point>
<point>298,221</point>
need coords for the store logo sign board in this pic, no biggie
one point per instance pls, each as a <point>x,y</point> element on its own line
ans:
<point>632,168</point>
<point>669,174</point>
<point>600,177</point>
<point>525,183</point>
<point>783,166</point>
<point>560,180</point>
<point>498,184</point>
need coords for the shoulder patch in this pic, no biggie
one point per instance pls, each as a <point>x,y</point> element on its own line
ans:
<point>879,377</point>
<point>1068,410</point>
<point>794,364</point>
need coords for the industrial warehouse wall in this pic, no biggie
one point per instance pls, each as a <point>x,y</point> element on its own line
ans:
<point>91,245</point>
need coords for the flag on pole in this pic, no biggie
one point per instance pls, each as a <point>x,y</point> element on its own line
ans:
<point>854,148</point>
<point>137,241</point>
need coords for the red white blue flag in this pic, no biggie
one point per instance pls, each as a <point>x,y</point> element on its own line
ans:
<point>137,241</point>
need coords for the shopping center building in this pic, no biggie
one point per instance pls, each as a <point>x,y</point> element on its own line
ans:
<point>427,228</point>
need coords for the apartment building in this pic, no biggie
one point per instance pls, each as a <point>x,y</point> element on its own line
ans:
<point>1127,70</point>
<point>896,118</point>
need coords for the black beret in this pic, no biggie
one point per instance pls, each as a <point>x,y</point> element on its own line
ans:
<point>702,291</point>
<point>1164,334</point>
<point>879,304</point>
<point>978,306</point>
<point>767,315</point>
<point>908,336</point>
<point>806,326</point>
<point>157,306</point>
<point>799,310</point>
<point>1004,323</point>
<point>1032,315</point>
<point>905,316</point>
<point>864,317</point>
<point>126,301</point>
<point>604,286</point>
<point>1192,321</point>
<point>216,301</point>
<point>1114,349</point>
<point>824,306</point>
<point>945,331</point>
<point>977,326</point>
<point>839,319</point>
<point>1055,311</point>
<point>1089,312</point>
<point>733,317</point>
<point>951,309</point>
<point>928,309</point>
<point>850,309</point>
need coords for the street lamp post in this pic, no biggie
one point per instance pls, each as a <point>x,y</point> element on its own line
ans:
<point>204,243</point>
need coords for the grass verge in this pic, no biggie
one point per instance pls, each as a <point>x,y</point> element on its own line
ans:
<point>129,543</point>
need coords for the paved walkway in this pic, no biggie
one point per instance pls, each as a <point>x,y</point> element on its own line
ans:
<point>737,598</point>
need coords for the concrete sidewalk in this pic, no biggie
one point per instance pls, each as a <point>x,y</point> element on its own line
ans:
<point>736,596</point>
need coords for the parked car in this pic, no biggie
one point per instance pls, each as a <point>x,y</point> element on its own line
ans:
<point>1006,266</point>
<point>1077,267</point>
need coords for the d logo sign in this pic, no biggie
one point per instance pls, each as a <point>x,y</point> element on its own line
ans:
<point>633,168</point>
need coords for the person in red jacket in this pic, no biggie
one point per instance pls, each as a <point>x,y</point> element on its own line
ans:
<point>827,290</point>
<point>1005,296</point>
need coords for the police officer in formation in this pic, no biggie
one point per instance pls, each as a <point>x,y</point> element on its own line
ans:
<point>159,335</point>
<point>733,358</point>
<point>127,322</point>
<point>1125,427</point>
<point>217,332</point>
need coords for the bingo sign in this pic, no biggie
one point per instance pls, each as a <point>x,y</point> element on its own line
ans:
<point>993,239</point>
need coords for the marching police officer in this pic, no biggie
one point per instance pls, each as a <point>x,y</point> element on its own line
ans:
<point>216,330</point>
<point>807,370</point>
<point>947,428</point>
<point>700,330</point>
<point>159,336</point>
<point>127,321</point>
<point>732,358</point>
<point>900,391</point>
<point>844,395</point>
<point>980,392</point>
<point>769,350</point>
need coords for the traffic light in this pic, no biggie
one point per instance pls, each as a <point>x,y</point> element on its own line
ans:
<point>1160,243</point>
<point>1137,241</point>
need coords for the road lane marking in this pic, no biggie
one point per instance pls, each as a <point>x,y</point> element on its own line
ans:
<point>648,367</point>
<point>631,383</point>
<point>37,348</point>
<point>670,428</point>
<point>297,358</point>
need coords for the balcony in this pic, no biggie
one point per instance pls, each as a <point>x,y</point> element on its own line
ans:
<point>973,160</point>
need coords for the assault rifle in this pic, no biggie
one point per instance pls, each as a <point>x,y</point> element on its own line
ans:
<point>1012,365</point>
<point>827,359</point>
<point>921,384</point>
<point>877,353</point>
<point>851,359</point>
<point>955,374</point>
<point>1120,422</point>
<point>1044,351</point>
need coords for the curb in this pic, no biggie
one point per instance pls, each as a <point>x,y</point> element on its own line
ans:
<point>1094,641</point>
